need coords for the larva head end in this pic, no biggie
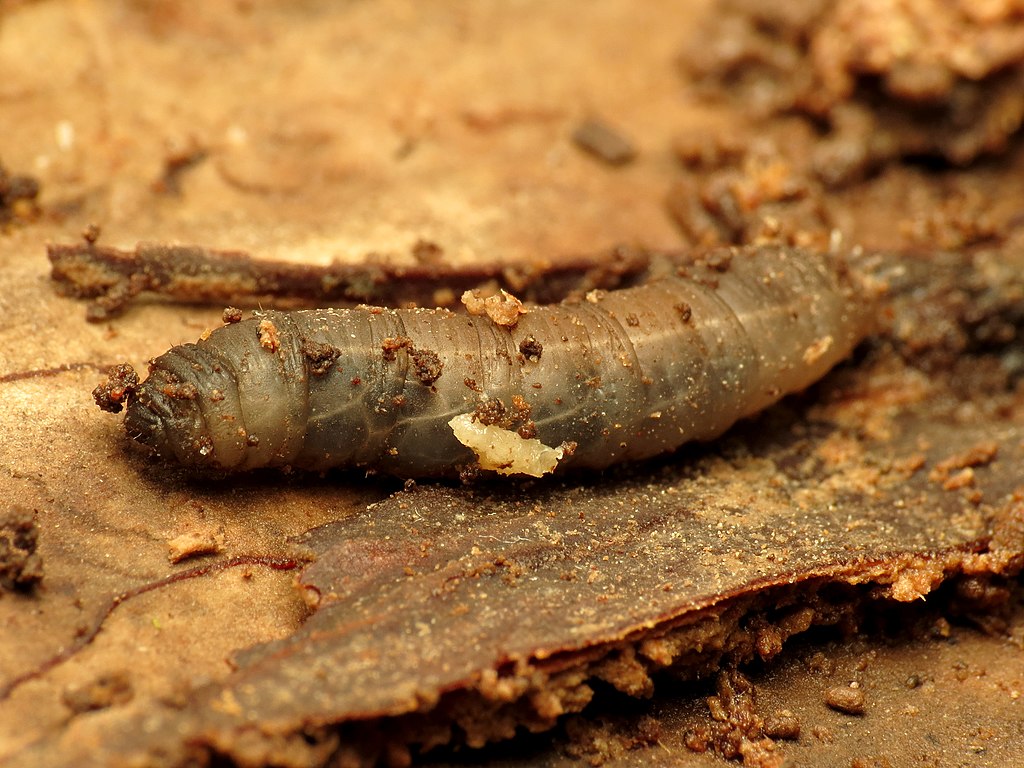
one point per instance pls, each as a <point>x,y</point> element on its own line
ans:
<point>162,415</point>
<point>146,427</point>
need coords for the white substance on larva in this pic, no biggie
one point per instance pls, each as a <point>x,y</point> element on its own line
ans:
<point>814,352</point>
<point>504,451</point>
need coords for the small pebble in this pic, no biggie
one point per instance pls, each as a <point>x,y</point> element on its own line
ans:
<point>845,699</point>
<point>604,142</point>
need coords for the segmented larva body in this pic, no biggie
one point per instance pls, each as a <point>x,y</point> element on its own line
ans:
<point>623,375</point>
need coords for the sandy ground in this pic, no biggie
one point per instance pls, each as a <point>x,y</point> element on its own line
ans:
<point>316,132</point>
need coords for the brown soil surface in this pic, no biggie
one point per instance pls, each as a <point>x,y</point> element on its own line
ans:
<point>832,583</point>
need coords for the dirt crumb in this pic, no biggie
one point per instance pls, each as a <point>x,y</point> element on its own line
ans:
<point>846,699</point>
<point>392,344</point>
<point>268,334</point>
<point>604,142</point>
<point>502,308</point>
<point>427,252</point>
<point>427,365</point>
<point>21,567</point>
<point>18,195</point>
<point>736,730</point>
<point>531,349</point>
<point>121,381</point>
<point>194,542</point>
<point>962,479</point>
<point>181,156</point>
<point>107,690</point>
<point>956,471</point>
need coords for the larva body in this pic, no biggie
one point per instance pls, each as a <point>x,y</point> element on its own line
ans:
<point>623,375</point>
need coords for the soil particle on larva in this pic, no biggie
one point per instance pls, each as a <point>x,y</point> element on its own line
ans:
<point>18,195</point>
<point>392,344</point>
<point>502,308</point>
<point>269,338</point>
<point>231,315</point>
<point>514,417</point>
<point>426,364</point>
<point>531,349</point>
<point>110,395</point>
<point>491,411</point>
<point>178,390</point>
<point>195,541</point>
<point>320,357</point>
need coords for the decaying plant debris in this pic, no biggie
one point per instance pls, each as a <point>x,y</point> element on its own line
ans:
<point>437,618</point>
<point>779,714</point>
<point>890,80</point>
<point>113,278</point>
<point>830,93</point>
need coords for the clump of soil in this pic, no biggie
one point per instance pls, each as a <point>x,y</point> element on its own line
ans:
<point>736,730</point>
<point>918,77</point>
<point>18,195</point>
<point>21,567</point>
<point>833,93</point>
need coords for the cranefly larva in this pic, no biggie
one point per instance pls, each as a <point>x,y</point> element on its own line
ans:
<point>619,376</point>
